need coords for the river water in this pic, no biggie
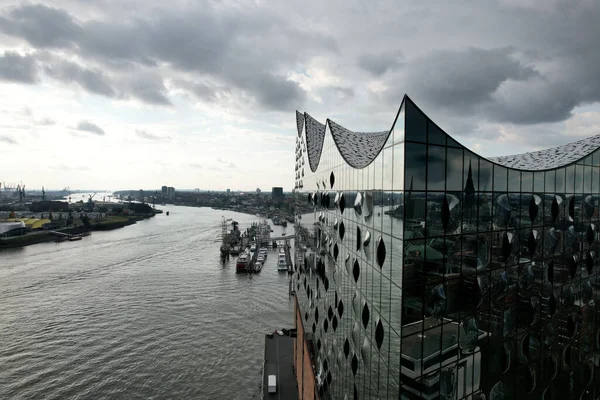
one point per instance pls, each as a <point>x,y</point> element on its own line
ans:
<point>148,311</point>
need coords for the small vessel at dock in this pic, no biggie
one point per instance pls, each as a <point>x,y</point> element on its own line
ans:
<point>257,266</point>
<point>241,265</point>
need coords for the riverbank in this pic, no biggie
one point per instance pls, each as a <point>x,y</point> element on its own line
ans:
<point>105,224</point>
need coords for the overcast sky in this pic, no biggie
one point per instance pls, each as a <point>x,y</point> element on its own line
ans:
<point>137,94</point>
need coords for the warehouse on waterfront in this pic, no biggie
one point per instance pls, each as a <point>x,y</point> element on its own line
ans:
<point>428,271</point>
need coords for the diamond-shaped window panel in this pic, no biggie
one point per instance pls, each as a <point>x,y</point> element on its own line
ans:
<point>346,348</point>
<point>590,234</point>
<point>342,230</point>
<point>380,252</point>
<point>356,271</point>
<point>342,203</point>
<point>589,206</point>
<point>354,364</point>
<point>365,315</point>
<point>340,308</point>
<point>358,204</point>
<point>367,239</point>
<point>572,209</point>
<point>379,334</point>
<point>555,208</point>
<point>334,323</point>
<point>368,205</point>
<point>534,207</point>
<point>358,238</point>
<point>331,179</point>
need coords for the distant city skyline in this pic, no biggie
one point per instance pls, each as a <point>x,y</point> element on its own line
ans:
<point>140,94</point>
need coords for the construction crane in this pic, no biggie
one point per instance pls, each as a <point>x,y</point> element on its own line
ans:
<point>90,203</point>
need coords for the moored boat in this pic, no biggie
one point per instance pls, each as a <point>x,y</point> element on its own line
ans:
<point>257,266</point>
<point>241,265</point>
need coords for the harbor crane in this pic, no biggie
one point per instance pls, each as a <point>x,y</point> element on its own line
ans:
<point>90,202</point>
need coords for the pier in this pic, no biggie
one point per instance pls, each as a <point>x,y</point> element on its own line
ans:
<point>279,362</point>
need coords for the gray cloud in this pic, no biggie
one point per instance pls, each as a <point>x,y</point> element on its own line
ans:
<point>42,26</point>
<point>213,39</point>
<point>149,136</point>
<point>87,126</point>
<point>463,80</point>
<point>272,91</point>
<point>377,64</point>
<point>17,68</point>
<point>93,81</point>
<point>149,88</point>
<point>204,91</point>
<point>502,62</point>
<point>7,139</point>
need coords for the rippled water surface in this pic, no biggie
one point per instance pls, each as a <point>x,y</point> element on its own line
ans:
<point>144,312</point>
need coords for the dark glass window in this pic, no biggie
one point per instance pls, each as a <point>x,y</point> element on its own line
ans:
<point>500,179</point>
<point>471,169</point>
<point>416,124</point>
<point>435,134</point>
<point>415,166</point>
<point>454,169</point>
<point>436,168</point>
<point>595,179</point>
<point>514,180</point>
<point>527,181</point>
<point>550,181</point>
<point>579,178</point>
<point>538,181</point>
<point>569,179</point>
<point>596,158</point>
<point>485,176</point>
<point>560,180</point>
<point>587,178</point>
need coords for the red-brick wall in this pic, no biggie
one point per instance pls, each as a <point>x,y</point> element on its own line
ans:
<point>305,376</point>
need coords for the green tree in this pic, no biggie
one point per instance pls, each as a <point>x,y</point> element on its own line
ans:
<point>86,220</point>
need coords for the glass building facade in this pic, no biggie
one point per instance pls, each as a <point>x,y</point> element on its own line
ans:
<point>425,271</point>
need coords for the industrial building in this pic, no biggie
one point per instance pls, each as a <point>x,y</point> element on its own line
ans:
<point>427,271</point>
<point>277,195</point>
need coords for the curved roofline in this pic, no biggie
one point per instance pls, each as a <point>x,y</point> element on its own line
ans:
<point>543,160</point>
<point>541,153</point>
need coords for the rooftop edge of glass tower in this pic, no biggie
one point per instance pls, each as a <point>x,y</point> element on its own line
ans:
<point>425,271</point>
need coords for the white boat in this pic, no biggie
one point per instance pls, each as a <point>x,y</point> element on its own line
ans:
<point>257,266</point>
<point>282,265</point>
